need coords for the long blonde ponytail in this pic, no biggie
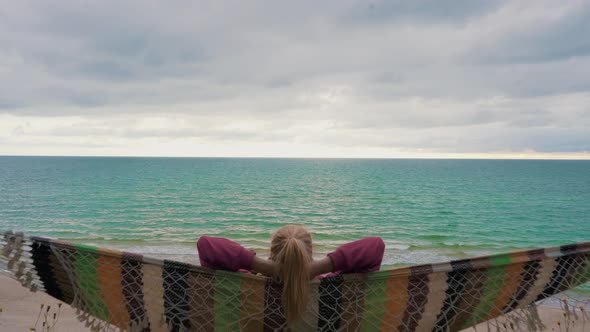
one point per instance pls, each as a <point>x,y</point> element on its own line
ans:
<point>291,249</point>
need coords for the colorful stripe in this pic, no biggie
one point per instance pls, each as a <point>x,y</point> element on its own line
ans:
<point>560,273</point>
<point>41,253</point>
<point>110,284</point>
<point>202,303</point>
<point>137,293</point>
<point>417,297</point>
<point>575,268</point>
<point>581,276</point>
<point>176,302</point>
<point>456,280</point>
<point>153,296</point>
<point>491,289</point>
<point>226,286</point>
<point>131,284</point>
<point>274,314</point>
<point>86,269</point>
<point>543,277</point>
<point>531,269</point>
<point>251,304</point>
<point>353,300</point>
<point>471,296</point>
<point>62,278</point>
<point>585,276</point>
<point>437,285</point>
<point>375,298</point>
<point>397,300</point>
<point>532,272</point>
<point>330,303</point>
<point>512,277</point>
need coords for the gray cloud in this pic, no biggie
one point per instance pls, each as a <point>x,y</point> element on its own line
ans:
<point>340,73</point>
<point>427,11</point>
<point>549,39</point>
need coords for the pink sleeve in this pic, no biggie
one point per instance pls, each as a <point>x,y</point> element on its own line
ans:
<point>224,254</point>
<point>363,255</point>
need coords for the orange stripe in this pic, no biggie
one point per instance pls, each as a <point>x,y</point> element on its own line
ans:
<point>397,300</point>
<point>252,304</point>
<point>509,285</point>
<point>109,252</point>
<point>109,280</point>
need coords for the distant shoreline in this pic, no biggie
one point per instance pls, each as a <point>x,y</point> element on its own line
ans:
<point>586,157</point>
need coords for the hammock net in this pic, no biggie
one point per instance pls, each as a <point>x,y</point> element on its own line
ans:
<point>116,290</point>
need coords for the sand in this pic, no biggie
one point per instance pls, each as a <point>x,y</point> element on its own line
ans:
<point>550,317</point>
<point>20,309</point>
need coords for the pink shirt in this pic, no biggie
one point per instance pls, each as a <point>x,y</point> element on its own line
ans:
<point>364,255</point>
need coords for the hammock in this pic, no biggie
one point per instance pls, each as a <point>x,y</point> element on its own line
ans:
<point>119,290</point>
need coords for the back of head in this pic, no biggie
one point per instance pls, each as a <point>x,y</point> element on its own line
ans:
<point>291,249</point>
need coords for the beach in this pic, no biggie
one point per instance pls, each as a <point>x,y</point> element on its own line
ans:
<point>20,309</point>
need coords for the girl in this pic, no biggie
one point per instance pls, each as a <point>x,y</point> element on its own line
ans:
<point>291,261</point>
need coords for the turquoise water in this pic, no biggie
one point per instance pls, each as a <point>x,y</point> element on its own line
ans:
<point>425,210</point>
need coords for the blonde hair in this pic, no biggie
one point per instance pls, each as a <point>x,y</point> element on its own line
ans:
<point>291,249</point>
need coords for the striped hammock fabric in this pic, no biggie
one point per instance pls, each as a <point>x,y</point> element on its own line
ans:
<point>116,290</point>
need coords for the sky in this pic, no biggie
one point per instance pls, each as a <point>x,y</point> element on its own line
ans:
<point>333,79</point>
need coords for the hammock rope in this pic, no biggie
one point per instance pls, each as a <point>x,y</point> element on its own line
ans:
<point>115,290</point>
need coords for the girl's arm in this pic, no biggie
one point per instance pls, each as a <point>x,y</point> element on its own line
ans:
<point>321,266</point>
<point>224,254</point>
<point>264,266</point>
<point>363,255</point>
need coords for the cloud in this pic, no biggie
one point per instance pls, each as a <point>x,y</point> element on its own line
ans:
<point>427,11</point>
<point>547,38</point>
<point>463,77</point>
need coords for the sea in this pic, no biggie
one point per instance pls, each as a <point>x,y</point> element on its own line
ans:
<point>425,210</point>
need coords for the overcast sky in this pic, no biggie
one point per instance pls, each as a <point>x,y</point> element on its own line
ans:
<point>296,79</point>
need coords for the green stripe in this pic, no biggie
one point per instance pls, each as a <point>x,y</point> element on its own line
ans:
<point>500,260</point>
<point>375,298</point>
<point>227,311</point>
<point>587,272</point>
<point>495,280</point>
<point>580,275</point>
<point>87,277</point>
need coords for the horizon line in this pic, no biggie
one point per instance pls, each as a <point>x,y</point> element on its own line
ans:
<point>586,157</point>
